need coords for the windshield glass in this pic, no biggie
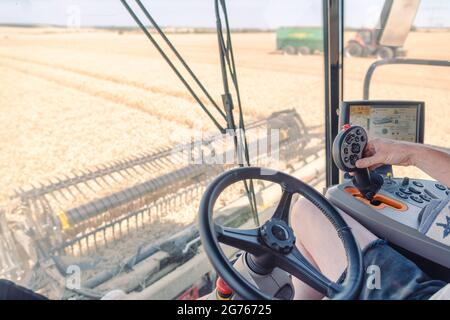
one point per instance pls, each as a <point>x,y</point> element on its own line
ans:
<point>427,38</point>
<point>105,153</point>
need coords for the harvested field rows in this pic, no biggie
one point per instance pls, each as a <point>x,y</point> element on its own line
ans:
<point>74,100</point>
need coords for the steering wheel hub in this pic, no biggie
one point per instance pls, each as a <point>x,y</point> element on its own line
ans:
<point>277,235</point>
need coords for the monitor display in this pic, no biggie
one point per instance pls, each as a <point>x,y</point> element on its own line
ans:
<point>393,123</point>
<point>392,120</point>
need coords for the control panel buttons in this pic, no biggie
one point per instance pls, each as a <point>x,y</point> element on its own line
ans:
<point>425,197</point>
<point>405,191</point>
<point>440,187</point>
<point>349,138</point>
<point>401,195</point>
<point>430,194</point>
<point>414,190</point>
<point>418,184</point>
<point>348,148</point>
<point>416,199</point>
<point>356,148</point>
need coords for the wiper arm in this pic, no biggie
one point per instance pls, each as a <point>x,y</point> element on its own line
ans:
<point>172,66</point>
<point>227,63</point>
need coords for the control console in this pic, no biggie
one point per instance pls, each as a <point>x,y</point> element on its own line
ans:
<point>390,207</point>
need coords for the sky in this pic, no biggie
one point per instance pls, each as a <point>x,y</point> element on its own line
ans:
<point>265,14</point>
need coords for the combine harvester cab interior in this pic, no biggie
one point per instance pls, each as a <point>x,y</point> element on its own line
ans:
<point>208,216</point>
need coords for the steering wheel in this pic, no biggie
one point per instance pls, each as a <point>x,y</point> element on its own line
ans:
<point>273,244</point>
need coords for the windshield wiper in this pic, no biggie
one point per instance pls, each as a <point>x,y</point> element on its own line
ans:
<point>172,66</point>
<point>227,66</point>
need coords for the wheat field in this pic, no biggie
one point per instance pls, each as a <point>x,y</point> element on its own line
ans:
<point>71,100</point>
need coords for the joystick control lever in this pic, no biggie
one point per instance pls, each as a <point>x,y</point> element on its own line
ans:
<point>348,147</point>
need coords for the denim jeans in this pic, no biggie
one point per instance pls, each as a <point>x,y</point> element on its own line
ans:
<point>390,276</point>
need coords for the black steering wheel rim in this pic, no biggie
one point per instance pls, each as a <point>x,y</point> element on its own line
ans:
<point>350,286</point>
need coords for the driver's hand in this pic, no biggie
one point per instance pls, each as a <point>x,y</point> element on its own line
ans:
<point>380,152</point>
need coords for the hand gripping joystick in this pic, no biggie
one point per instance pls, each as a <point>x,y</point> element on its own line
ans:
<point>348,148</point>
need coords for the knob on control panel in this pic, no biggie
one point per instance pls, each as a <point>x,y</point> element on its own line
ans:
<point>405,181</point>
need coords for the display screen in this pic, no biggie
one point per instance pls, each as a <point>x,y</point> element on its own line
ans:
<point>386,122</point>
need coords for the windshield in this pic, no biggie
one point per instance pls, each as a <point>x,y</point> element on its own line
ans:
<point>106,153</point>
<point>427,38</point>
<point>106,150</point>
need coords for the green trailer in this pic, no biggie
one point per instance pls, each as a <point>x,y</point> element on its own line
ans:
<point>300,40</point>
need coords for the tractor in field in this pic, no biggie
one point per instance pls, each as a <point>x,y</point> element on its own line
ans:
<point>365,44</point>
<point>386,41</point>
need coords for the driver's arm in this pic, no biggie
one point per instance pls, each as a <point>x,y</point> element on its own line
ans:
<point>435,162</point>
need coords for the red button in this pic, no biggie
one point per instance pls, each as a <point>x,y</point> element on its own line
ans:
<point>223,288</point>
<point>346,126</point>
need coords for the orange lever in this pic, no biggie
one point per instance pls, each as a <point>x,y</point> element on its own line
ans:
<point>383,201</point>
